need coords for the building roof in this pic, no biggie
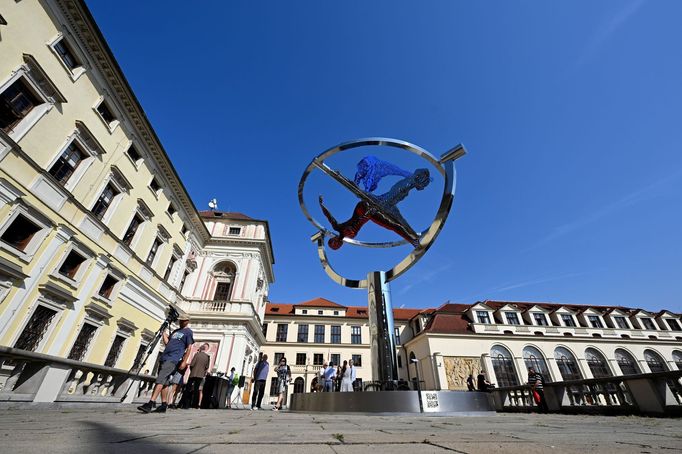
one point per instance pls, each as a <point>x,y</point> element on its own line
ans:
<point>233,215</point>
<point>319,302</point>
<point>351,311</point>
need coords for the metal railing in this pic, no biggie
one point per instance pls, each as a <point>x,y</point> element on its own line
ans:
<point>655,393</point>
<point>35,377</point>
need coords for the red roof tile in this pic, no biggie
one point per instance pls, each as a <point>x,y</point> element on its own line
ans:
<point>448,323</point>
<point>225,215</point>
<point>319,302</point>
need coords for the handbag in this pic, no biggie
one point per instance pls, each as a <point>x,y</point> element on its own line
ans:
<point>536,397</point>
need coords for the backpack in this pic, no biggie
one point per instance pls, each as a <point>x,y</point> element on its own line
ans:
<point>235,379</point>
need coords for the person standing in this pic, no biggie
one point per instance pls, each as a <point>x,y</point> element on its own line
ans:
<point>470,383</point>
<point>346,382</point>
<point>197,375</point>
<point>353,374</point>
<point>232,381</point>
<point>173,358</point>
<point>260,375</point>
<point>283,372</point>
<point>329,373</point>
<point>536,383</point>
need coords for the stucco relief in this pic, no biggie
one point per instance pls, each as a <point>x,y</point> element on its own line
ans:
<point>458,368</point>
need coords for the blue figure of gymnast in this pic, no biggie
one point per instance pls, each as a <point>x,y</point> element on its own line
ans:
<point>372,169</point>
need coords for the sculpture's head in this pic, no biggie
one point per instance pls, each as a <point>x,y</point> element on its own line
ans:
<point>422,178</point>
<point>335,242</point>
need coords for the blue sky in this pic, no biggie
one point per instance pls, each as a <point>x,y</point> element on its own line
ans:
<point>572,188</point>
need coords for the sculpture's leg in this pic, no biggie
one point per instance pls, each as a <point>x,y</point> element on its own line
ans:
<point>381,328</point>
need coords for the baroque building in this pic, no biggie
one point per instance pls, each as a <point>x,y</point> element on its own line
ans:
<point>98,235</point>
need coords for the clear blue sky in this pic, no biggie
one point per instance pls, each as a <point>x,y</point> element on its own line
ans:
<point>572,188</point>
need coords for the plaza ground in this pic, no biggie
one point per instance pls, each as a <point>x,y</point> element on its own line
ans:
<point>123,429</point>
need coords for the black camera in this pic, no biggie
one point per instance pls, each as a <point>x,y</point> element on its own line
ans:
<point>172,316</point>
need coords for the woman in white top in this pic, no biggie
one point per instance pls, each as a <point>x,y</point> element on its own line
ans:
<point>346,381</point>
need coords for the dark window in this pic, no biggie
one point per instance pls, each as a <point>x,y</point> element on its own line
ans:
<point>169,268</point>
<point>304,311</point>
<point>626,362</point>
<point>674,324</point>
<point>278,357</point>
<point>108,286</point>
<point>336,312</point>
<point>621,322</point>
<point>104,201</point>
<point>222,291</point>
<point>105,112</point>
<point>67,56</point>
<point>67,163</point>
<point>512,318</point>
<point>504,371</point>
<point>355,335</point>
<point>567,367</point>
<point>70,265</point>
<point>20,232</point>
<point>302,333</point>
<point>400,361</point>
<point>184,229</point>
<point>568,319</point>
<point>320,312</point>
<point>300,359</point>
<point>318,359</point>
<point>597,364</point>
<point>152,252</point>
<point>15,103</point>
<point>114,351</point>
<point>265,329</point>
<point>235,230</point>
<point>133,153</point>
<point>184,278</point>
<point>319,334</point>
<point>336,359</point>
<point>281,333</point>
<point>336,334</point>
<point>171,209</point>
<point>132,228</point>
<point>137,364</point>
<point>397,336</point>
<point>357,360</point>
<point>648,324</point>
<point>540,319</point>
<point>483,317</point>
<point>595,321</point>
<point>35,329</point>
<point>80,347</point>
<point>154,185</point>
<point>655,362</point>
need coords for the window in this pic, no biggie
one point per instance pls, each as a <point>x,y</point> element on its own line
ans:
<point>568,366</point>
<point>673,324</point>
<point>35,329</point>
<point>540,319</point>
<point>15,103</point>
<point>132,228</point>
<point>302,333</point>
<point>67,163</point>
<point>300,359</point>
<point>105,112</point>
<point>568,319</point>
<point>355,335</point>
<point>184,278</point>
<point>265,330</point>
<point>621,322</point>
<point>597,364</point>
<point>154,185</point>
<point>171,209</point>
<point>70,265</point>
<point>133,153</point>
<point>80,347</point>
<point>318,359</point>
<point>319,334</point>
<point>114,351</point>
<point>512,318</point>
<point>104,201</point>
<point>397,336</point>
<point>20,232</point>
<point>320,312</point>
<point>184,229</point>
<point>503,366</point>
<point>278,357</point>
<point>108,286</point>
<point>400,361</point>
<point>626,362</point>
<point>235,231</point>
<point>417,326</point>
<point>483,317</point>
<point>595,321</point>
<point>336,334</point>
<point>281,333</point>
<point>357,360</point>
<point>677,357</point>
<point>66,54</point>
<point>152,252</point>
<point>336,359</point>
<point>304,311</point>
<point>532,357</point>
<point>655,361</point>
<point>648,324</point>
<point>137,363</point>
<point>222,291</point>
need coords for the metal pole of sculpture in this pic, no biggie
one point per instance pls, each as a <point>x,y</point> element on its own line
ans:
<point>383,211</point>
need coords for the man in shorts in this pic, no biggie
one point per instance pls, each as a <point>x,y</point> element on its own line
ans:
<point>173,359</point>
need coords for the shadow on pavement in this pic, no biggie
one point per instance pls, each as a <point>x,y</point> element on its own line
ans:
<point>107,438</point>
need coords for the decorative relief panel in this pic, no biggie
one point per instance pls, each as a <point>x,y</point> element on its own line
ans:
<point>458,368</point>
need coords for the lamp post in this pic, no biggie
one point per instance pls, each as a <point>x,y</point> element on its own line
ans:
<point>415,361</point>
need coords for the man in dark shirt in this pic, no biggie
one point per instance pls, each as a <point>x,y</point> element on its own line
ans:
<point>173,359</point>
<point>483,384</point>
<point>536,383</point>
<point>198,369</point>
<point>260,375</point>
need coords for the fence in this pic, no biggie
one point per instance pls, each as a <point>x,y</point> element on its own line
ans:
<point>652,394</point>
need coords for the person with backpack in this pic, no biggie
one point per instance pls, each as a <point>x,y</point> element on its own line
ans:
<point>536,382</point>
<point>232,382</point>
<point>283,372</point>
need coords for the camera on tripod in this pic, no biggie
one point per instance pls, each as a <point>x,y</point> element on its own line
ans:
<point>172,316</point>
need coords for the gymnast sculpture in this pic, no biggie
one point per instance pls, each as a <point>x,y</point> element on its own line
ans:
<point>384,210</point>
<point>372,169</point>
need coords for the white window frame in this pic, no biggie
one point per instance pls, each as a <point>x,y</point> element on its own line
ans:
<point>136,145</point>
<point>111,127</point>
<point>41,301</point>
<point>120,278</point>
<point>82,268</point>
<point>88,320</point>
<point>76,73</point>
<point>146,214</point>
<point>120,184</point>
<point>88,145</point>
<point>228,227</point>
<point>33,245</point>
<point>152,190</point>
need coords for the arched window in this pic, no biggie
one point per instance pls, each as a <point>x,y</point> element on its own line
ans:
<point>626,362</point>
<point>597,364</point>
<point>299,385</point>
<point>568,366</point>
<point>223,274</point>
<point>503,365</point>
<point>655,361</point>
<point>535,359</point>
<point>677,357</point>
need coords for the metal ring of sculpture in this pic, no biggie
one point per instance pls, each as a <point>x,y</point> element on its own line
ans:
<point>423,240</point>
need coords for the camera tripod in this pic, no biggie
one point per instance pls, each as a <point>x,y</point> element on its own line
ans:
<point>171,318</point>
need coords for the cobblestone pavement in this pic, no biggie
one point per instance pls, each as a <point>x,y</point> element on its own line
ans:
<point>123,429</point>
